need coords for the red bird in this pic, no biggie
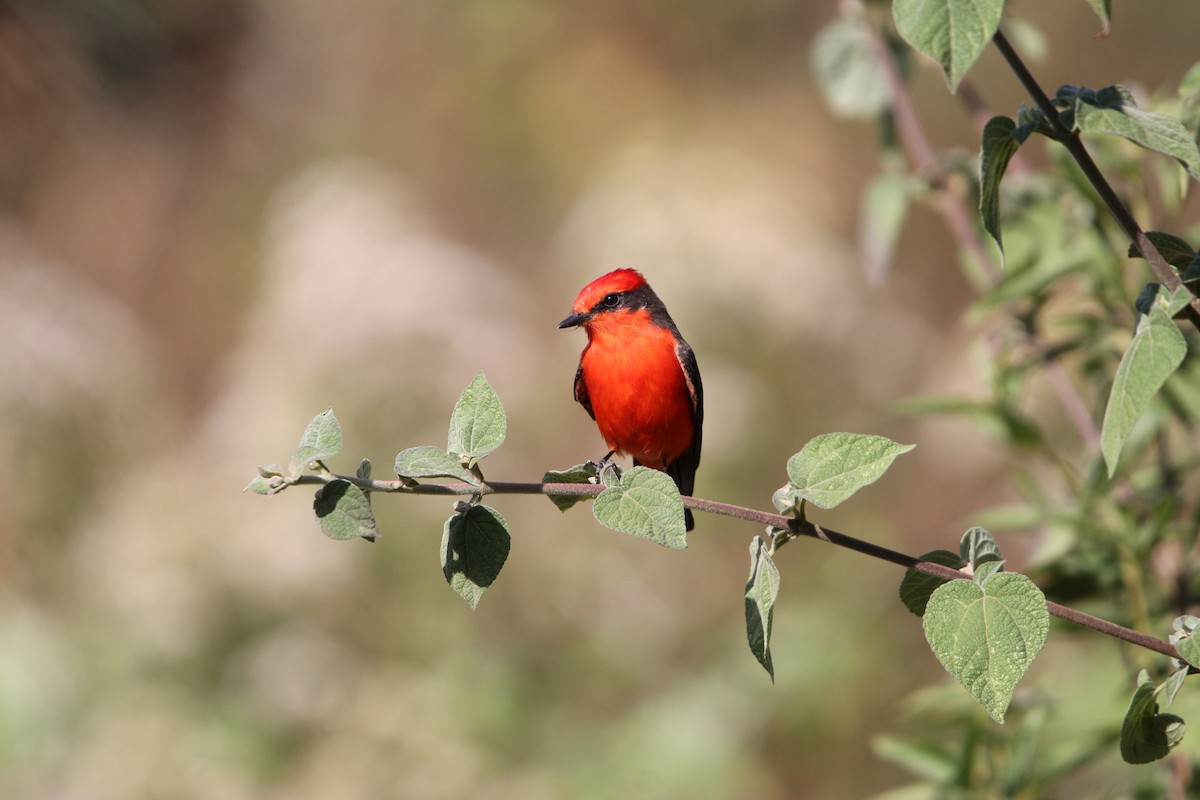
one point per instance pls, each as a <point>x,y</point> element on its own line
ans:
<point>638,378</point>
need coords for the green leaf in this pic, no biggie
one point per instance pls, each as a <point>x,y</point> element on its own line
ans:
<point>848,72</point>
<point>260,484</point>
<point>916,587</point>
<point>999,146</point>
<point>1157,350</point>
<point>1175,251</point>
<point>951,32</point>
<point>344,511</point>
<point>833,466</point>
<point>985,571</point>
<point>1114,111</point>
<point>1103,9</point>
<point>478,424</point>
<point>787,499</point>
<point>1187,644</point>
<point>884,207</point>
<point>475,545</point>
<point>364,469</point>
<point>986,637</point>
<point>428,461</point>
<point>322,439</point>
<point>978,546</point>
<point>1174,683</point>
<point>645,503</point>
<point>580,473</point>
<point>762,589</point>
<point>1147,735</point>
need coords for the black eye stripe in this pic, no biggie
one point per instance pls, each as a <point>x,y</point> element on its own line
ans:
<point>611,300</point>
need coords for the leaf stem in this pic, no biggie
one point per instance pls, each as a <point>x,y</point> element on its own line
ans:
<point>800,527</point>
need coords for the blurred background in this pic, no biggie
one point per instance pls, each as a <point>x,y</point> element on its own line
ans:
<point>220,217</point>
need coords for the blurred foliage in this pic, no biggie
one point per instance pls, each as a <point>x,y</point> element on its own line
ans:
<point>219,217</point>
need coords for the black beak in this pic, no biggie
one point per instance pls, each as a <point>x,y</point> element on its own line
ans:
<point>574,319</point>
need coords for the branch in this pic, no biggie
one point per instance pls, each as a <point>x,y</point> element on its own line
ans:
<point>1071,140</point>
<point>799,527</point>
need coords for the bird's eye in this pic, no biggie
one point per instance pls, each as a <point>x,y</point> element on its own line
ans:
<point>611,300</point>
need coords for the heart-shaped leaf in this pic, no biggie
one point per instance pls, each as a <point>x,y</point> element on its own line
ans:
<point>645,503</point>
<point>478,423</point>
<point>986,637</point>
<point>1147,735</point>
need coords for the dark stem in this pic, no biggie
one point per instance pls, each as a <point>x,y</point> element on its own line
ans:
<point>1069,139</point>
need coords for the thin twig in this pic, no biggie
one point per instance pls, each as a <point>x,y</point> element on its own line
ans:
<point>800,527</point>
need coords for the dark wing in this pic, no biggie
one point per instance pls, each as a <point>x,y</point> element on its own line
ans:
<point>683,468</point>
<point>581,393</point>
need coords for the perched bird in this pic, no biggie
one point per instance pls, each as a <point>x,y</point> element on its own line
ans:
<point>638,378</point>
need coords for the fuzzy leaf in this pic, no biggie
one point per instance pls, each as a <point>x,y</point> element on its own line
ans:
<point>322,439</point>
<point>1156,351</point>
<point>762,589</point>
<point>580,473</point>
<point>1147,735</point>
<point>1113,110</point>
<point>428,461</point>
<point>344,511</point>
<point>847,70</point>
<point>881,218</point>
<point>978,546</point>
<point>833,466</point>
<point>475,545</point>
<point>478,423</point>
<point>951,32</point>
<point>645,503</point>
<point>986,637</point>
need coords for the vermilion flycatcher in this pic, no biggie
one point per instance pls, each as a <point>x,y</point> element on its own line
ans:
<point>638,378</point>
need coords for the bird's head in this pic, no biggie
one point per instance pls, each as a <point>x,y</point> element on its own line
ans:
<point>620,290</point>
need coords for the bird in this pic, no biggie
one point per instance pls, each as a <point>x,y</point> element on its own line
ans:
<point>638,378</point>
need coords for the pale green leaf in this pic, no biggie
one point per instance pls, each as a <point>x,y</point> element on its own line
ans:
<point>848,72</point>
<point>833,466</point>
<point>916,587</point>
<point>428,461</point>
<point>999,146</point>
<point>478,423</point>
<point>645,503</point>
<point>1186,642</point>
<point>581,473</point>
<point>1147,735</point>
<point>986,637</point>
<point>322,439</point>
<point>762,589</point>
<point>881,218</point>
<point>260,484</point>
<point>475,545</point>
<point>344,511</point>
<point>1156,351</point>
<point>951,32</point>
<point>364,469</point>
<point>1114,111</point>
<point>1174,683</point>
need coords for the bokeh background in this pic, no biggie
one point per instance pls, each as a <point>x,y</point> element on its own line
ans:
<point>219,217</point>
